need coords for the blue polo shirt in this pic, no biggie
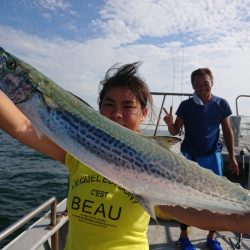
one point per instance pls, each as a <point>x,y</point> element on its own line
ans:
<point>202,125</point>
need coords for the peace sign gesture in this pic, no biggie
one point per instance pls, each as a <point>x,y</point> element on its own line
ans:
<point>168,118</point>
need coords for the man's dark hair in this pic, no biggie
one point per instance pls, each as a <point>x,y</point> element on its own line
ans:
<point>201,72</point>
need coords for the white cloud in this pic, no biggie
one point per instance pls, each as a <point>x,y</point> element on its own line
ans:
<point>207,20</point>
<point>55,5</point>
<point>48,5</point>
<point>212,34</point>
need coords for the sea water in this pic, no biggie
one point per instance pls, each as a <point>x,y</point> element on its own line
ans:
<point>27,179</point>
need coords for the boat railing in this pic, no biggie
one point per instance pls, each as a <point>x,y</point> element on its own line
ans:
<point>52,203</point>
<point>236,102</point>
<point>164,96</point>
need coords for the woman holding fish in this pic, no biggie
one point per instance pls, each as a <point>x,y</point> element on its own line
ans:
<point>103,215</point>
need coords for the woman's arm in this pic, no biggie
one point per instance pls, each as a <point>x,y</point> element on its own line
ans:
<point>204,219</point>
<point>13,122</point>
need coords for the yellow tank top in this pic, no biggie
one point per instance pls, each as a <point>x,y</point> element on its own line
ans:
<point>102,215</point>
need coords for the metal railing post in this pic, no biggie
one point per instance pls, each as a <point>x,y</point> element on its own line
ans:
<point>53,222</point>
<point>236,103</point>
<point>165,94</point>
<point>50,202</point>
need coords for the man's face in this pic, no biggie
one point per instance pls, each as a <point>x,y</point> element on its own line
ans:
<point>202,86</point>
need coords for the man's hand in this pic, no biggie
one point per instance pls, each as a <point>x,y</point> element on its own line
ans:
<point>168,118</point>
<point>233,166</point>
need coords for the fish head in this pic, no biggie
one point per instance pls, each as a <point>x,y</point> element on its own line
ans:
<point>15,78</point>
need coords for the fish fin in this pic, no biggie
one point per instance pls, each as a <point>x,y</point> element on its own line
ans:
<point>50,102</point>
<point>165,141</point>
<point>147,205</point>
<point>80,99</point>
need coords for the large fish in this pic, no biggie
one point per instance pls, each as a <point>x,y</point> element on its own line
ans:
<point>154,173</point>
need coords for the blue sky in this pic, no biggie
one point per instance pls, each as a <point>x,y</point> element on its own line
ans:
<point>75,42</point>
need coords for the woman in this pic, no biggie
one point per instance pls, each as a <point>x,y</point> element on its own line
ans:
<point>103,215</point>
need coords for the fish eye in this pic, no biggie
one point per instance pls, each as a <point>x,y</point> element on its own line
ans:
<point>11,64</point>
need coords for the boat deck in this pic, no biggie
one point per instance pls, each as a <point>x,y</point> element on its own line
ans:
<point>162,235</point>
<point>165,234</point>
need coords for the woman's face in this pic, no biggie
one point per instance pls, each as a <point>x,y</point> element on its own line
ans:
<point>121,106</point>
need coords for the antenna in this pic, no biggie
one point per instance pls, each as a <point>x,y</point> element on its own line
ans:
<point>182,71</point>
<point>173,81</point>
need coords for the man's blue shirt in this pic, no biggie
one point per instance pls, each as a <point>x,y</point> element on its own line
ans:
<point>202,125</point>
